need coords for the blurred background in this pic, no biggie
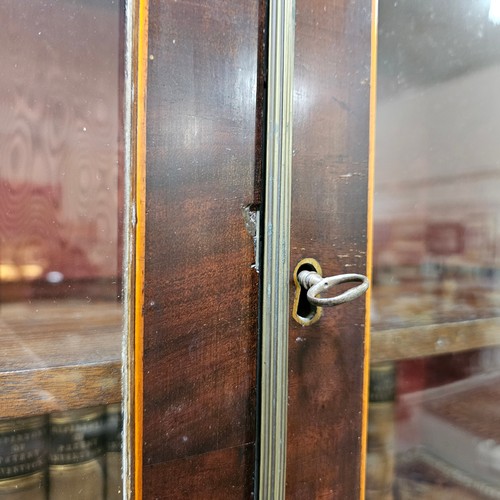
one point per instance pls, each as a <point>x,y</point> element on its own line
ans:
<point>434,427</point>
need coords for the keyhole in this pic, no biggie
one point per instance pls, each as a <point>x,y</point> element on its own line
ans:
<point>304,312</point>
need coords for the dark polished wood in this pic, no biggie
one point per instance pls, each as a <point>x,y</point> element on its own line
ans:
<point>215,475</point>
<point>200,296</point>
<point>200,299</point>
<point>329,214</point>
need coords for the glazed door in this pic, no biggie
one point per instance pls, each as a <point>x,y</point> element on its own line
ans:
<point>202,87</point>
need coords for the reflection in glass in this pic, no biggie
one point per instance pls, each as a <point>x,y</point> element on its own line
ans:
<point>61,175</point>
<point>434,417</point>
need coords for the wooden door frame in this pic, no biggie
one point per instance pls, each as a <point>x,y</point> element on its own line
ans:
<point>274,377</point>
<point>275,304</point>
<point>136,70</point>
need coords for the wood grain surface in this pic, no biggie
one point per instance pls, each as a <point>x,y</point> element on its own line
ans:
<point>58,356</point>
<point>200,296</point>
<point>210,476</point>
<point>329,211</point>
<point>39,391</point>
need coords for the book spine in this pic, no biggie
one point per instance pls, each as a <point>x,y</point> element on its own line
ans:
<point>76,457</point>
<point>23,458</point>
<point>380,449</point>
<point>114,452</point>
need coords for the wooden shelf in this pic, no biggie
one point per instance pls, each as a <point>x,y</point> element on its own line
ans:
<point>58,356</point>
<point>415,320</point>
<point>432,340</point>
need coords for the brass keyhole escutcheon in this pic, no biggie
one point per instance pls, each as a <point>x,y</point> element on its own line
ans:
<point>303,311</point>
<point>310,284</point>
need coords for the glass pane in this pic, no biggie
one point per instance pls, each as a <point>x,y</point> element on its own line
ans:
<point>434,418</point>
<point>61,207</point>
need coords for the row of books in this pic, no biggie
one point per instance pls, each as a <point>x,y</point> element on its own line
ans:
<point>62,456</point>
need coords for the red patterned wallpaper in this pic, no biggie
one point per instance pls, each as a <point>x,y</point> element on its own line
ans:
<point>59,140</point>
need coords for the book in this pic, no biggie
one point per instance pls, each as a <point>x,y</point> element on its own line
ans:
<point>76,454</point>
<point>114,452</point>
<point>23,458</point>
